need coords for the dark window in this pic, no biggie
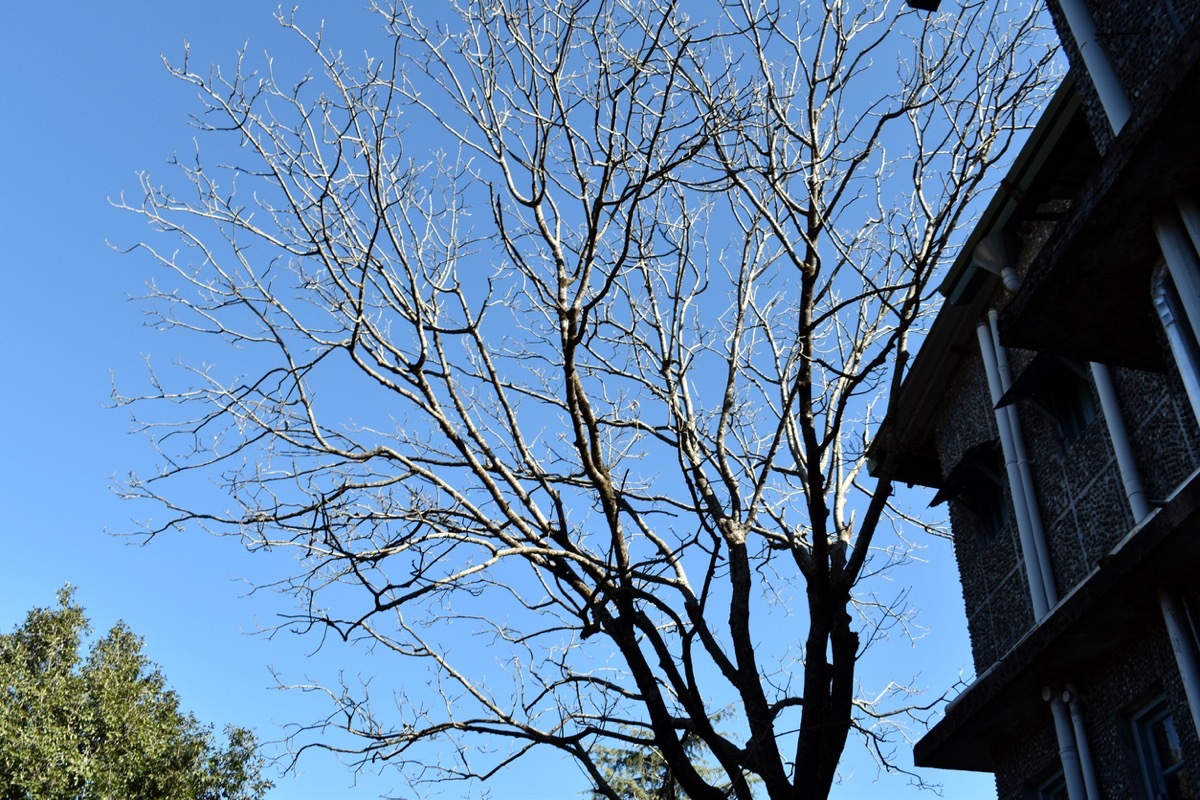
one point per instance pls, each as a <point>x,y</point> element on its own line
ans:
<point>1060,389</point>
<point>1066,398</point>
<point>1053,789</point>
<point>1160,751</point>
<point>984,499</point>
<point>976,483</point>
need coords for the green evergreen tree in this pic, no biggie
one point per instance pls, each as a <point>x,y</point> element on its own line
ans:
<point>641,773</point>
<point>106,727</point>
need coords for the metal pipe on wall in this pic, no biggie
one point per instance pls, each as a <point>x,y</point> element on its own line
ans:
<point>1068,754</point>
<point>1182,263</point>
<point>1183,643</point>
<point>1189,212</point>
<point>1131,478</point>
<point>1045,567</point>
<point>1033,570</point>
<point>1087,766</point>
<point>1183,349</point>
<point>1104,76</point>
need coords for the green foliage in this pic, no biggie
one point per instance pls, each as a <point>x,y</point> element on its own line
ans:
<point>641,773</point>
<point>105,726</point>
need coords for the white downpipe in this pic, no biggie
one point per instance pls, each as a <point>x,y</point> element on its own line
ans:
<point>1182,263</point>
<point>1112,96</point>
<point>1033,572</point>
<point>1183,643</point>
<point>1011,282</point>
<point>1181,258</point>
<point>1067,752</point>
<point>1023,468</point>
<point>1183,350</point>
<point>1131,479</point>
<point>1070,697</point>
<point>1189,210</point>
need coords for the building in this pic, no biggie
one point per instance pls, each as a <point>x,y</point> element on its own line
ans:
<point>1054,406</point>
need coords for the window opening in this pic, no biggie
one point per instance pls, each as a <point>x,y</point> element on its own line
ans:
<point>1160,751</point>
<point>1053,789</point>
<point>1059,389</point>
<point>977,484</point>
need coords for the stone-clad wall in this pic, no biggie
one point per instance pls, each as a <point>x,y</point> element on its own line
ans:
<point>1079,493</point>
<point>1082,501</point>
<point>1085,513</point>
<point>992,574</point>
<point>1078,487</point>
<point>965,419</point>
<point>995,594</point>
<point>1162,429</point>
<point>1028,759</point>
<point>1136,37</point>
<point>1110,694</point>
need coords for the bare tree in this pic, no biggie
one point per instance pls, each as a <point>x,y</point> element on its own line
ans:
<point>560,332</point>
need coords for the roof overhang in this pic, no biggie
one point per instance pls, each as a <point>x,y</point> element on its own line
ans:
<point>1046,167</point>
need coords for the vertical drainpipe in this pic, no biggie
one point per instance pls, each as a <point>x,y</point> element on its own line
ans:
<point>1045,570</point>
<point>1131,479</point>
<point>1183,643</point>
<point>1071,698</point>
<point>1115,101</point>
<point>1067,752</point>
<point>1182,349</point>
<point>1182,263</point>
<point>1189,210</point>
<point>1104,76</point>
<point>1074,753</point>
<point>1038,535</point>
<point>1033,571</point>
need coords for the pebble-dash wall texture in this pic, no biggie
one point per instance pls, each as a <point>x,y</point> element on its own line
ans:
<point>1084,513</point>
<point>1110,694</point>
<point>1079,491</point>
<point>993,576</point>
<point>1136,37</point>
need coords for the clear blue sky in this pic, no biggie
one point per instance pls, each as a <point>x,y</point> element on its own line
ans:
<point>86,105</point>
